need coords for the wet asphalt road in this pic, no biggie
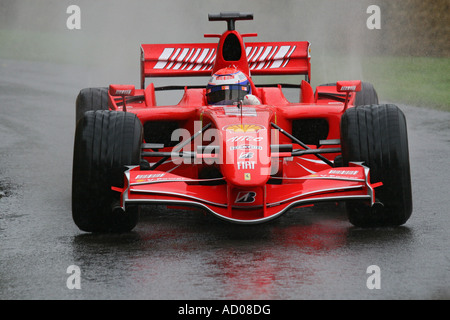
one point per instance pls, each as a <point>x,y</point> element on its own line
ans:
<point>306,254</point>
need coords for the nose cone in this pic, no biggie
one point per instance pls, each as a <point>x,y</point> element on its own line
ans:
<point>246,154</point>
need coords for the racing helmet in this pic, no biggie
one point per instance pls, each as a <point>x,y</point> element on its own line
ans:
<point>227,86</point>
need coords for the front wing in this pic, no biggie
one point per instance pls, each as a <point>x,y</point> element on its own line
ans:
<point>247,205</point>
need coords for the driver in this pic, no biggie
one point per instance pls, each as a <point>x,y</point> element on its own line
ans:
<point>228,86</point>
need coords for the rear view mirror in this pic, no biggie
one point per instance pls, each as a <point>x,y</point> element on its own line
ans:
<point>121,90</point>
<point>349,86</point>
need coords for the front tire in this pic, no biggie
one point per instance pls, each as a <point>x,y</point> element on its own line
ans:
<point>377,136</point>
<point>105,142</point>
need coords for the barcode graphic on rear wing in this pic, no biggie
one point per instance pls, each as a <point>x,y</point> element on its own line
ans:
<point>186,59</point>
<point>198,59</point>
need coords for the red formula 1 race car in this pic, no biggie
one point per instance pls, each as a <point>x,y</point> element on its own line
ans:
<point>237,149</point>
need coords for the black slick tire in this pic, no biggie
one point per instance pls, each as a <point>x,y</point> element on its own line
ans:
<point>105,143</point>
<point>91,99</point>
<point>367,95</point>
<point>377,136</point>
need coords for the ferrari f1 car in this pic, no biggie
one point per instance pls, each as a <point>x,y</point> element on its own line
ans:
<point>237,149</point>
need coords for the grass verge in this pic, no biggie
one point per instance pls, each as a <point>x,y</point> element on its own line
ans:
<point>419,81</point>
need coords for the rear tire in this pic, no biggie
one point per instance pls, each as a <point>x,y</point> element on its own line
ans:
<point>91,99</point>
<point>105,142</point>
<point>367,95</point>
<point>377,136</point>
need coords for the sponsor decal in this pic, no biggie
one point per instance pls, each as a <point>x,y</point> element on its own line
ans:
<point>224,77</point>
<point>245,197</point>
<point>343,172</point>
<point>246,165</point>
<point>245,139</point>
<point>246,147</point>
<point>149,176</point>
<point>269,57</point>
<point>246,155</point>
<point>235,111</point>
<point>186,59</point>
<point>348,88</point>
<point>122,92</point>
<point>259,57</point>
<point>244,128</point>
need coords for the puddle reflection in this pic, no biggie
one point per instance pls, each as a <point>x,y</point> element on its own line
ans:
<point>186,255</point>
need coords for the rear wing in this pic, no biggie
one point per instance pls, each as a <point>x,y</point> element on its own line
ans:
<point>197,59</point>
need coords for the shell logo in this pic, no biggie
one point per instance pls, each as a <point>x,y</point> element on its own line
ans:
<point>244,128</point>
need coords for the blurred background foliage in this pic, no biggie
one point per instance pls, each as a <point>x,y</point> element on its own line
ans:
<point>408,59</point>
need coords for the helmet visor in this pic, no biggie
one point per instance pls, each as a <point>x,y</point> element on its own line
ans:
<point>226,95</point>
